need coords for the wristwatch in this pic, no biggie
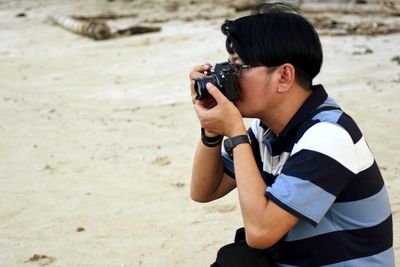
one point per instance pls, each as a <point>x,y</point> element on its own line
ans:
<point>231,143</point>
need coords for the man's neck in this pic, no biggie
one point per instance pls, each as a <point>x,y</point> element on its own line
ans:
<point>279,117</point>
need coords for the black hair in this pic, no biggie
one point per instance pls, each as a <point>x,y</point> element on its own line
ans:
<point>275,34</point>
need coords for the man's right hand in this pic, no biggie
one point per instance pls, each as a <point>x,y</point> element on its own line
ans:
<point>197,72</point>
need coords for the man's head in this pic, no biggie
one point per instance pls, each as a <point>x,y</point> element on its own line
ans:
<point>273,35</point>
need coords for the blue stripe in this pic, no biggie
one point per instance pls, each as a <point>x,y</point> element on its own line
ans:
<point>300,195</point>
<point>385,258</point>
<point>304,230</point>
<point>330,115</point>
<point>362,213</point>
<point>346,216</point>
<point>329,102</point>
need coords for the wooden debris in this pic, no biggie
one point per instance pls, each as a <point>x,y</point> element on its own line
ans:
<point>135,30</point>
<point>96,29</point>
<point>93,29</point>
<point>106,16</point>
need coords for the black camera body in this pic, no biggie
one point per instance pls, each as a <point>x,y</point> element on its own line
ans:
<point>224,77</point>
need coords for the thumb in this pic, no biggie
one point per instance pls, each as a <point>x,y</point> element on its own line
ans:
<point>215,92</point>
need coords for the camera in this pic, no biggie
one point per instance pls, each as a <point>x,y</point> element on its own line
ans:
<point>224,77</point>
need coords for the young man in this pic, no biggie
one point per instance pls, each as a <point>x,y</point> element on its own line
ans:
<point>310,191</point>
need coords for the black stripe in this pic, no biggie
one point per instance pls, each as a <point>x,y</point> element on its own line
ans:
<point>268,178</point>
<point>319,169</point>
<point>350,126</point>
<point>337,246</point>
<point>365,184</point>
<point>255,147</point>
<point>231,174</point>
<point>311,104</point>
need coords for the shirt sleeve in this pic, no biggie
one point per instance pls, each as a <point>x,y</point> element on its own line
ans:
<point>320,166</point>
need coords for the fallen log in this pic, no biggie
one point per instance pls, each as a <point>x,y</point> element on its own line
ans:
<point>135,30</point>
<point>97,29</point>
<point>105,16</point>
<point>93,29</point>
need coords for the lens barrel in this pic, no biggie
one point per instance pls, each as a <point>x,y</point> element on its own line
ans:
<point>200,85</point>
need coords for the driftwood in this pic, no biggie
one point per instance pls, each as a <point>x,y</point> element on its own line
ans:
<point>93,29</point>
<point>135,30</point>
<point>107,16</point>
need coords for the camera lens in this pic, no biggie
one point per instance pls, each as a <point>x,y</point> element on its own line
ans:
<point>200,86</point>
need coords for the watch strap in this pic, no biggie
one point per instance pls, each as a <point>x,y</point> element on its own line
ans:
<point>231,143</point>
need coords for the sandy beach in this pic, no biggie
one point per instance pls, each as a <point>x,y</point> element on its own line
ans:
<point>97,137</point>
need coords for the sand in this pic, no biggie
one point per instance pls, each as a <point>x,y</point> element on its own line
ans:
<point>97,137</point>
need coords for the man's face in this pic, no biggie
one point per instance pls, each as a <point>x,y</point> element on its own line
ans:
<point>255,88</point>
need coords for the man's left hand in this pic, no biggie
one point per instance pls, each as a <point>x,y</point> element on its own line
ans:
<point>220,116</point>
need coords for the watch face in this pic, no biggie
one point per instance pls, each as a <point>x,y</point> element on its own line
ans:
<point>228,146</point>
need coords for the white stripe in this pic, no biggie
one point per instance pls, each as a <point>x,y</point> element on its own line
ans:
<point>265,155</point>
<point>278,162</point>
<point>333,141</point>
<point>266,159</point>
<point>364,155</point>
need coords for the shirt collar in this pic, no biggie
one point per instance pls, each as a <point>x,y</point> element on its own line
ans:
<point>317,98</point>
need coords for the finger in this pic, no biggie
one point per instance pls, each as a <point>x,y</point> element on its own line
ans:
<point>198,71</point>
<point>200,110</point>
<point>215,93</point>
<point>203,67</point>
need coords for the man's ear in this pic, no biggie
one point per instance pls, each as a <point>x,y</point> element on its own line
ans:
<point>286,79</point>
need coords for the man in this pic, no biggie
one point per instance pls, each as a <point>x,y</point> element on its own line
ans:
<point>310,191</point>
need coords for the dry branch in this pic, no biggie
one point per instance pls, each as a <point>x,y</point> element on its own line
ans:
<point>93,29</point>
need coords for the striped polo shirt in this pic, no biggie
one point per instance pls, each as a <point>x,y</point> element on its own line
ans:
<point>321,169</point>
